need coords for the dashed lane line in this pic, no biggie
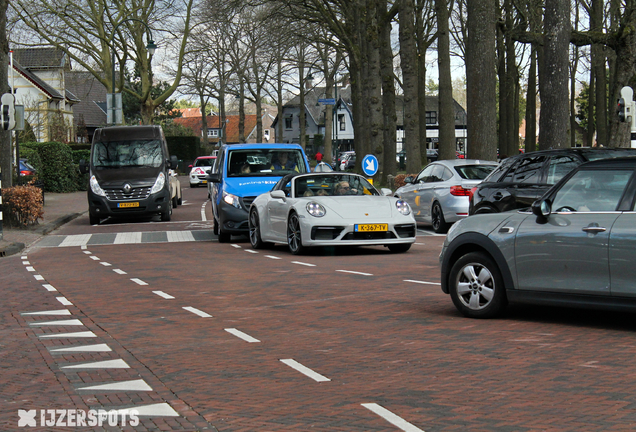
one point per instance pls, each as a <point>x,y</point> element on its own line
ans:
<point>119,271</point>
<point>251,251</point>
<point>391,418</point>
<point>305,370</point>
<point>197,312</point>
<point>38,277</point>
<point>49,287</point>
<point>241,335</point>
<point>105,264</point>
<point>421,282</point>
<point>30,269</point>
<point>236,246</point>
<point>93,257</point>
<point>272,257</point>
<point>164,295</point>
<point>355,272</point>
<point>138,281</point>
<point>203,217</point>
<point>303,263</point>
<point>64,301</point>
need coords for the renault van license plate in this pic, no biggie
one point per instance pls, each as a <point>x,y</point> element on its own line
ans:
<point>128,205</point>
<point>371,227</point>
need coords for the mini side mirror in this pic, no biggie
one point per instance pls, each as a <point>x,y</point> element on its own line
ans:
<point>82,166</point>
<point>542,209</point>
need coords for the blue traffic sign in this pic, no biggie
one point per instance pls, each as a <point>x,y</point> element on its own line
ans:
<point>331,101</point>
<point>370,165</point>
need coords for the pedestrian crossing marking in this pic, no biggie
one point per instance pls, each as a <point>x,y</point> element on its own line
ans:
<point>126,238</point>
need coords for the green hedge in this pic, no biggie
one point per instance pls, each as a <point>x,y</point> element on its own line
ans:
<point>185,148</point>
<point>54,164</point>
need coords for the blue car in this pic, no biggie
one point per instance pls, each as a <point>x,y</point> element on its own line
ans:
<point>240,174</point>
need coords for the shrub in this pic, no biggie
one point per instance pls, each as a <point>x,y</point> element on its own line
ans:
<point>55,169</point>
<point>23,204</point>
<point>398,181</point>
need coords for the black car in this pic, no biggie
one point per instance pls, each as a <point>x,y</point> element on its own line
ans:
<point>521,179</point>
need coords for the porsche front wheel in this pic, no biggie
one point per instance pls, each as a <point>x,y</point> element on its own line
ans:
<point>294,238</point>
<point>255,230</point>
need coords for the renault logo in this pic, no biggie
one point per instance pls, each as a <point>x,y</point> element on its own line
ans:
<point>127,188</point>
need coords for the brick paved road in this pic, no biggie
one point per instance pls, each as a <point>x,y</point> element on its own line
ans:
<point>372,338</point>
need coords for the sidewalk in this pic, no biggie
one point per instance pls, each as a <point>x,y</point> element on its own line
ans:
<point>59,208</point>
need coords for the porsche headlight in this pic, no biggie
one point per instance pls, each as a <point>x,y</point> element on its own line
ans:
<point>232,200</point>
<point>159,183</point>
<point>96,188</point>
<point>315,209</point>
<point>403,207</point>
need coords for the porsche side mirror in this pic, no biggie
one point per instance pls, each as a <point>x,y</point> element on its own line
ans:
<point>541,209</point>
<point>386,191</point>
<point>277,194</point>
<point>408,180</point>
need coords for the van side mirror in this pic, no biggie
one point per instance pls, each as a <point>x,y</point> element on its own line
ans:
<point>82,166</point>
<point>214,177</point>
<point>174,162</point>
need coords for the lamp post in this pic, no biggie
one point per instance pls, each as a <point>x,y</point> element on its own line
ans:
<point>151,47</point>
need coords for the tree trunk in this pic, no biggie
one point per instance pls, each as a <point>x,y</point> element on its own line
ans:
<point>387,158</point>
<point>531,104</point>
<point>410,88</point>
<point>480,81</point>
<point>503,111</point>
<point>591,108</point>
<point>420,118</point>
<point>5,136</point>
<point>446,118</point>
<point>553,76</point>
<point>512,86</point>
<point>600,74</point>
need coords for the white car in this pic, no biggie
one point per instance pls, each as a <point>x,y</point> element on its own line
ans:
<point>199,170</point>
<point>175,189</point>
<point>330,209</point>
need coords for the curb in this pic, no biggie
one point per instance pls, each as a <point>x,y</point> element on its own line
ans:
<point>15,248</point>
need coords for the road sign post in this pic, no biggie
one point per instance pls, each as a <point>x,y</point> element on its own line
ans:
<point>370,166</point>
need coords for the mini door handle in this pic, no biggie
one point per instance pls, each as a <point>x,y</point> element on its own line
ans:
<point>594,229</point>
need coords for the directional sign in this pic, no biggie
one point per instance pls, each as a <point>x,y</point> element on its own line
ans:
<point>327,101</point>
<point>370,165</point>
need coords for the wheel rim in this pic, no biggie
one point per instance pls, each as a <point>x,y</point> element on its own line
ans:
<point>475,286</point>
<point>293,233</point>
<point>254,237</point>
<point>436,216</point>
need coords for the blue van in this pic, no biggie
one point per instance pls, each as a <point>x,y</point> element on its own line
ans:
<point>240,174</point>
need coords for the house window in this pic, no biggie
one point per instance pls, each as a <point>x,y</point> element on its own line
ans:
<point>266,134</point>
<point>431,117</point>
<point>342,122</point>
<point>288,122</point>
<point>213,133</point>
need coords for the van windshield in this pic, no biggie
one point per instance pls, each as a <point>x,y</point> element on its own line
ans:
<point>265,162</point>
<point>127,153</point>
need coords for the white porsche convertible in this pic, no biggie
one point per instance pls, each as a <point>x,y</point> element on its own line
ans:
<point>330,209</point>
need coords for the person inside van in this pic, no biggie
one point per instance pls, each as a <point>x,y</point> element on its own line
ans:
<point>282,162</point>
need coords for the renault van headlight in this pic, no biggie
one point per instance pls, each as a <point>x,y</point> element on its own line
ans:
<point>232,200</point>
<point>159,183</point>
<point>96,188</point>
<point>403,207</point>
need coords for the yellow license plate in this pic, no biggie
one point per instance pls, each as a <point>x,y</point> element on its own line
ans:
<point>128,205</point>
<point>204,181</point>
<point>371,227</point>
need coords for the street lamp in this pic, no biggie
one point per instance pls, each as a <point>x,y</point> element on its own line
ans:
<point>151,47</point>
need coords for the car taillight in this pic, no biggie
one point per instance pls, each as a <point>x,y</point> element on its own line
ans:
<point>472,192</point>
<point>26,173</point>
<point>460,191</point>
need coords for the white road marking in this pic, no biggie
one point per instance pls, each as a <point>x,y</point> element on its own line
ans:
<point>26,263</point>
<point>305,370</point>
<point>124,238</point>
<point>30,269</point>
<point>105,264</point>
<point>49,287</point>
<point>203,217</point>
<point>272,257</point>
<point>240,334</point>
<point>83,348</point>
<point>197,312</point>
<point>76,240</point>
<point>85,334</point>
<point>163,294</point>
<point>154,410</point>
<point>138,281</point>
<point>71,322</point>
<point>355,272</point>
<point>51,312</point>
<point>180,236</point>
<point>133,385</point>
<point>38,277</point>
<point>251,251</point>
<point>23,257</point>
<point>83,247</point>
<point>106,364</point>
<point>64,301</point>
<point>88,252</point>
<point>590,364</point>
<point>421,282</point>
<point>94,258</point>
<point>391,418</point>
<point>118,271</point>
<point>421,244</point>
<point>302,263</point>
<point>235,246</point>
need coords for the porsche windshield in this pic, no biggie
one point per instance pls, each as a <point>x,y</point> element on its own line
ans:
<point>333,185</point>
<point>128,153</point>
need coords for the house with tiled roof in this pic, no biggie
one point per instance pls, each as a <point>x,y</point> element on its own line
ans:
<point>39,80</point>
<point>91,110</point>
<point>231,130</point>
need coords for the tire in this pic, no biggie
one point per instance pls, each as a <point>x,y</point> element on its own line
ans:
<point>93,220</point>
<point>175,202</point>
<point>215,226</point>
<point>294,237</point>
<point>437,219</point>
<point>193,185</point>
<point>167,215</point>
<point>180,200</point>
<point>476,286</point>
<point>224,237</point>
<point>255,230</point>
<point>399,248</point>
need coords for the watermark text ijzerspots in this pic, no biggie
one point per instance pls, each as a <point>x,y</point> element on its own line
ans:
<point>76,417</point>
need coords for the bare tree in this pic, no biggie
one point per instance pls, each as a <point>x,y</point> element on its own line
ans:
<point>446,106</point>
